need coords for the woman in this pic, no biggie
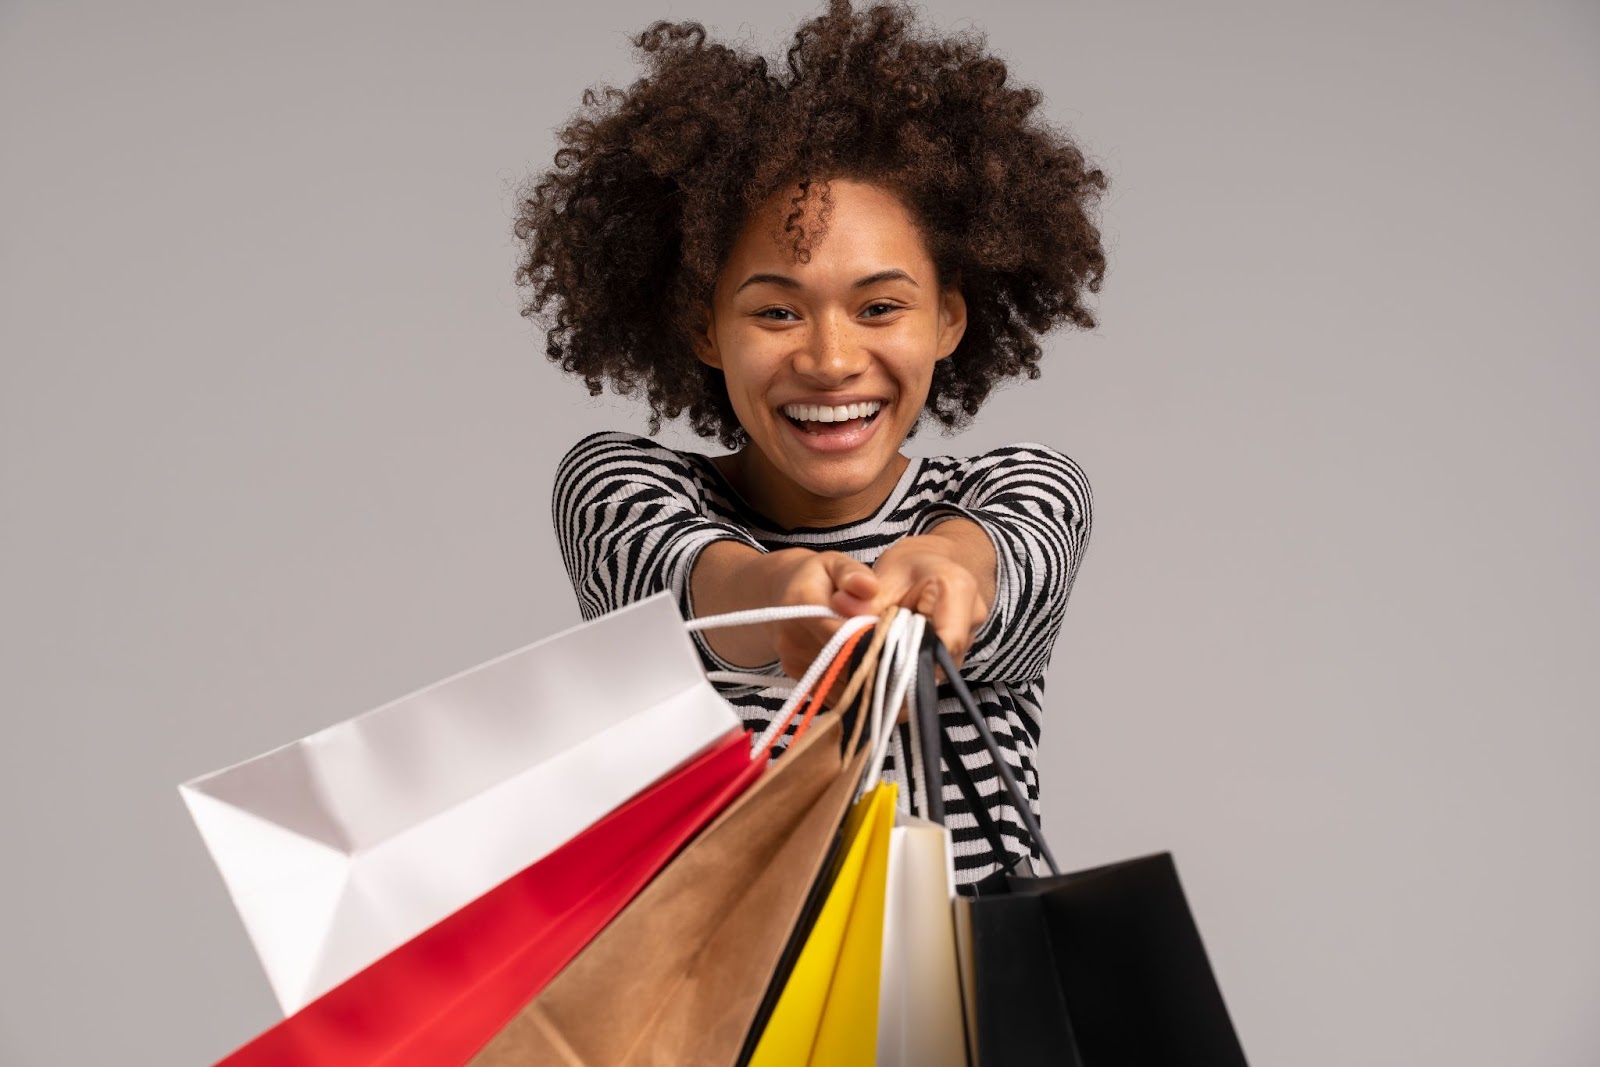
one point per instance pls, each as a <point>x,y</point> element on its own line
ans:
<point>807,266</point>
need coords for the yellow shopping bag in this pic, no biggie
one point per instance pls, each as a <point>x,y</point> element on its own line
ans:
<point>827,1014</point>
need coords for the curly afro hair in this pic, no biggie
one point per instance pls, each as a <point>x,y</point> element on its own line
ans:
<point>626,235</point>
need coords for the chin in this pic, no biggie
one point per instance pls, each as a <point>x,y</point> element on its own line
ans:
<point>838,484</point>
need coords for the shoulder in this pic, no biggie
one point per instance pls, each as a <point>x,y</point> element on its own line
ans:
<point>616,469</point>
<point>1013,465</point>
<point>616,453</point>
<point>1029,455</point>
<point>617,444</point>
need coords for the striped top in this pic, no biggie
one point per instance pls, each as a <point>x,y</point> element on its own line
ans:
<point>632,516</point>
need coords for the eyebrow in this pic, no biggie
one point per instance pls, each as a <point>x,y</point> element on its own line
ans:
<point>890,275</point>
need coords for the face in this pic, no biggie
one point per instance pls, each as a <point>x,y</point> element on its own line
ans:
<point>828,362</point>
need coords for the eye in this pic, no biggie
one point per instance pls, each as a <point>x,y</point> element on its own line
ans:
<point>887,308</point>
<point>764,312</point>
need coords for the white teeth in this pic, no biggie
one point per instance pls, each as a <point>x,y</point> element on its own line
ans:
<point>840,413</point>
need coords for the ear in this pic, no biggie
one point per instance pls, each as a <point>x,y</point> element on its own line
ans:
<point>704,342</point>
<point>952,319</point>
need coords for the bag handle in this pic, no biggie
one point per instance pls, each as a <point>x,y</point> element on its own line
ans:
<point>830,661</point>
<point>935,654</point>
<point>928,730</point>
<point>855,703</point>
<point>890,662</point>
<point>923,776</point>
<point>754,616</point>
<point>778,682</point>
<point>929,740</point>
<point>905,632</point>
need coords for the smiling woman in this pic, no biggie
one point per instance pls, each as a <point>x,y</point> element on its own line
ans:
<point>808,267</point>
<point>805,348</point>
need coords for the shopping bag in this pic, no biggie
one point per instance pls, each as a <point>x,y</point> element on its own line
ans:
<point>438,998</point>
<point>340,847</point>
<point>1099,968</point>
<point>1107,963</point>
<point>828,1012</point>
<point>921,1014</point>
<point>679,976</point>
<point>823,1006</point>
<point>920,1010</point>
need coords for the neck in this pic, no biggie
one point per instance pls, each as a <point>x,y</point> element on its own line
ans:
<point>793,506</point>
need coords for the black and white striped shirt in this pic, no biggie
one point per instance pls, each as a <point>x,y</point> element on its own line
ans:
<point>632,516</point>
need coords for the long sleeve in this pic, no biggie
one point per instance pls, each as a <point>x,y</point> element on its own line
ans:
<point>1035,505</point>
<point>632,516</point>
<point>630,519</point>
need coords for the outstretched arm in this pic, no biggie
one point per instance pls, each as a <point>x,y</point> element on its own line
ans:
<point>947,574</point>
<point>993,565</point>
<point>733,577</point>
<point>630,522</point>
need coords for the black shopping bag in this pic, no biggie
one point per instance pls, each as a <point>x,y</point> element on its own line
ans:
<point>1099,968</point>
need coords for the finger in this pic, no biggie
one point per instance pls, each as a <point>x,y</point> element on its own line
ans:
<point>851,577</point>
<point>798,642</point>
<point>847,605</point>
<point>952,618</point>
<point>795,659</point>
<point>804,637</point>
<point>856,589</point>
<point>811,585</point>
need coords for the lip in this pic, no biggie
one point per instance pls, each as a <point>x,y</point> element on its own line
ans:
<point>834,443</point>
<point>834,400</point>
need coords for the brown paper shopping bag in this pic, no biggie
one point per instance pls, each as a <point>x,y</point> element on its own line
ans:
<point>679,976</point>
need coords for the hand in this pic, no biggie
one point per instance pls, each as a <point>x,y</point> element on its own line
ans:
<point>932,575</point>
<point>801,576</point>
<point>734,577</point>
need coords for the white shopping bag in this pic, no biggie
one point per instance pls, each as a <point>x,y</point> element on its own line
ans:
<point>920,1005</point>
<point>920,1009</point>
<point>341,847</point>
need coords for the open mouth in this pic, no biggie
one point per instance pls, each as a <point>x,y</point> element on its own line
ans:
<point>823,421</point>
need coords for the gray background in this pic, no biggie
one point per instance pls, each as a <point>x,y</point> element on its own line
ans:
<point>277,448</point>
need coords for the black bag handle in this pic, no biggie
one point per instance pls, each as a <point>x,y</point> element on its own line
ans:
<point>980,811</point>
<point>934,653</point>
<point>929,725</point>
<point>929,732</point>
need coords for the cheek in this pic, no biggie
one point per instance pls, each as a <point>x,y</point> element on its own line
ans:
<point>750,371</point>
<point>913,368</point>
<point>747,382</point>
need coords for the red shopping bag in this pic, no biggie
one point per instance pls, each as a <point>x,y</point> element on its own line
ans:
<point>437,999</point>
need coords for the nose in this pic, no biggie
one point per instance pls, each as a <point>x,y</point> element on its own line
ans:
<point>831,355</point>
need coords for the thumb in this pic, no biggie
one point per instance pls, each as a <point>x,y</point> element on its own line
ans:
<point>854,583</point>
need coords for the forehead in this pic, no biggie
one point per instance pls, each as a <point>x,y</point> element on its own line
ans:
<point>866,228</point>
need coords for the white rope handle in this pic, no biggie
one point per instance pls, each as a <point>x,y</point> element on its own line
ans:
<point>913,773</point>
<point>908,703</point>
<point>802,688</point>
<point>759,615</point>
<point>888,659</point>
<point>909,640</point>
<point>751,617</point>
<point>760,681</point>
<point>897,690</point>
